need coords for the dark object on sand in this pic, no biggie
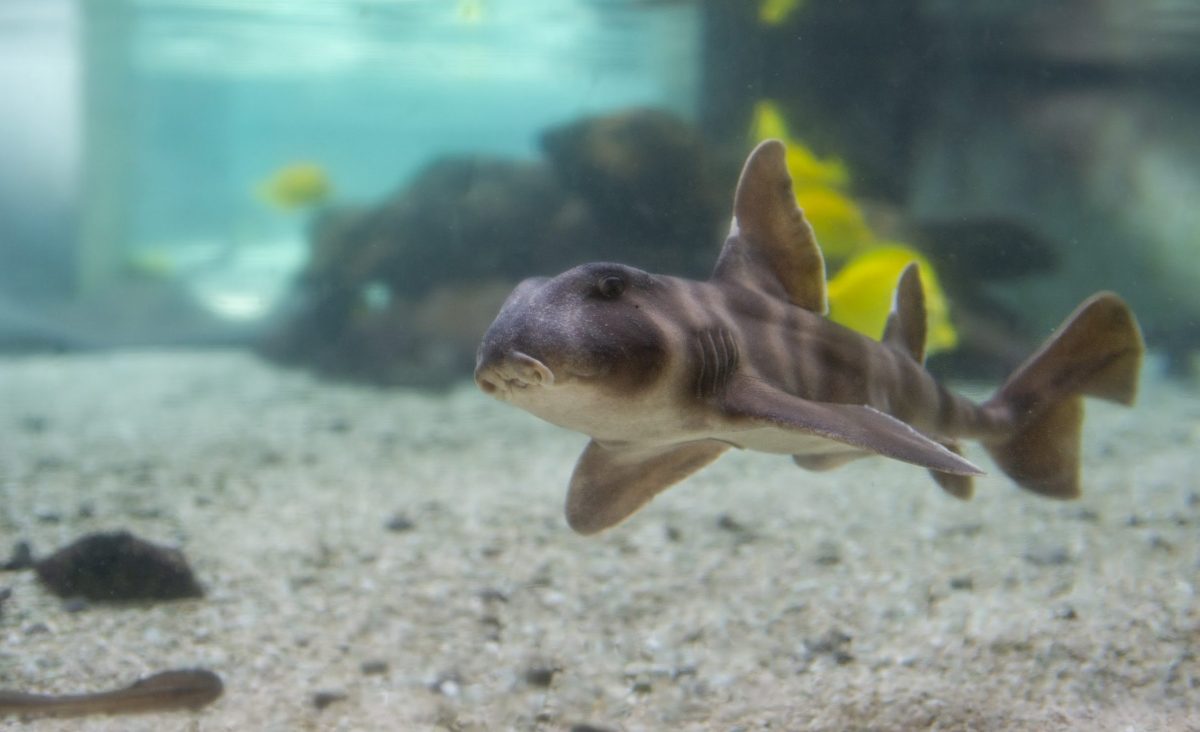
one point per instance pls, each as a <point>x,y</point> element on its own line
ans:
<point>182,689</point>
<point>326,697</point>
<point>118,566</point>
<point>21,558</point>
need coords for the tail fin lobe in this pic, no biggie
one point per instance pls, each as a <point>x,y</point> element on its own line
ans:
<point>1043,456</point>
<point>1097,352</point>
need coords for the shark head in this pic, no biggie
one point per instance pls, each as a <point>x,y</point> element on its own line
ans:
<point>586,337</point>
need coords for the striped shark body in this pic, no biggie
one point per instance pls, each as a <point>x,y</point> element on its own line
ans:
<point>665,374</point>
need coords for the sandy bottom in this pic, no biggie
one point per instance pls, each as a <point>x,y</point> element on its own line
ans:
<point>753,597</point>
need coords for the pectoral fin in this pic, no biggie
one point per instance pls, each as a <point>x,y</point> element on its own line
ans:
<point>611,481</point>
<point>756,404</point>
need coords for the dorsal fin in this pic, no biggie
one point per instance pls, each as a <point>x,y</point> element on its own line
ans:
<point>906,323</point>
<point>770,246</point>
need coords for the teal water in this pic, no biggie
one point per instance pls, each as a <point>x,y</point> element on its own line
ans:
<point>173,113</point>
<point>224,94</point>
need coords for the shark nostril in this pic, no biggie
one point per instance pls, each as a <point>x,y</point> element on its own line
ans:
<point>532,371</point>
<point>489,378</point>
<point>512,371</point>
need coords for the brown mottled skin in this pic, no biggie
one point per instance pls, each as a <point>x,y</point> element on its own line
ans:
<point>665,373</point>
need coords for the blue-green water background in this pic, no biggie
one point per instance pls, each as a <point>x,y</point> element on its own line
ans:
<point>137,134</point>
<point>149,126</point>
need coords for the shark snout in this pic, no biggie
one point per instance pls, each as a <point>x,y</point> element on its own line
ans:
<point>511,370</point>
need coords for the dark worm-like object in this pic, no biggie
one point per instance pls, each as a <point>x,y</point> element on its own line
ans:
<point>180,689</point>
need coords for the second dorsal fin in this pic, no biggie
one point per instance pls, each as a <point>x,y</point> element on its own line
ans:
<point>770,246</point>
<point>905,329</point>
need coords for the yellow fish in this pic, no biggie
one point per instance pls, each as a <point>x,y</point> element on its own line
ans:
<point>807,170</point>
<point>837,221</point>
<point>297,185</point>
<point>470,11</point>
<point>860,294</point>
<point>775,12</point>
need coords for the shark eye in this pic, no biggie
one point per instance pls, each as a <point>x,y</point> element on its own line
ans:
<point>610,287</point>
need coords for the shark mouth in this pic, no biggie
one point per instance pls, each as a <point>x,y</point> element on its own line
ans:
<point>514,370</point>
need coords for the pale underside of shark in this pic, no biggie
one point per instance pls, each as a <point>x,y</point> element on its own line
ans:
<point>665,374</point>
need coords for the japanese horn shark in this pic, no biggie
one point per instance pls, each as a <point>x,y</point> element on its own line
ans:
<point>665,374</point>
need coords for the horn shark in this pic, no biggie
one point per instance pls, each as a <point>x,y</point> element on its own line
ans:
<point>665,374</point>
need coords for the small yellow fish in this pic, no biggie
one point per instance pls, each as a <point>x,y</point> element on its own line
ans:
<point>807,170</point>
<point>470,11</point>
<point>775,12</point>
<point>149,264</point>
<point>297,185</point>
<point>860,294</point>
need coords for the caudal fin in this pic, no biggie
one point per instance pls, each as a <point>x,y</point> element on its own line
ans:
<point>1097,352</point>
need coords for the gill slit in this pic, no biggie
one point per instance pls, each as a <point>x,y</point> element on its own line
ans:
<point>717,354</point>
